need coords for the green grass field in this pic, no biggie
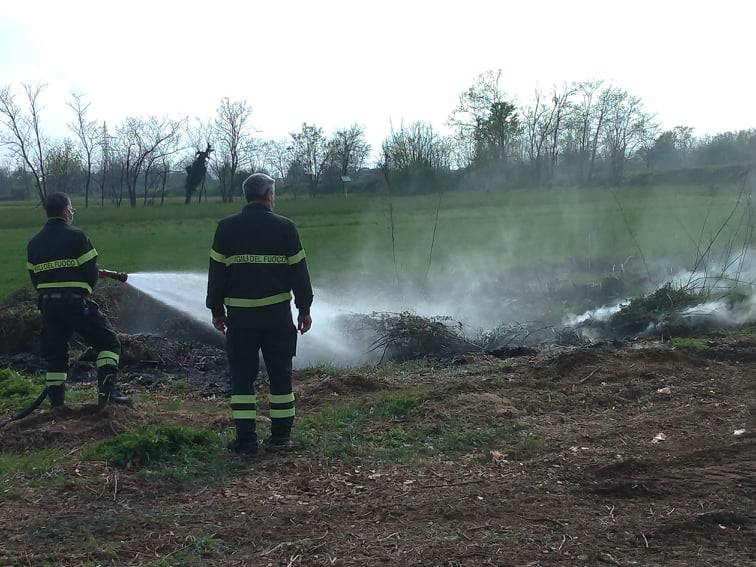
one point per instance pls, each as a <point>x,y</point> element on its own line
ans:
<point>351,237</point>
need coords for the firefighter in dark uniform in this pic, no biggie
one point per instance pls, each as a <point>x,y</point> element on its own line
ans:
<point>256,261</point>
<point>62,264</point>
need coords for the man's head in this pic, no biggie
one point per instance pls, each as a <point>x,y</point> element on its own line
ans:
<point>58,205</point>
<point>259,188</point>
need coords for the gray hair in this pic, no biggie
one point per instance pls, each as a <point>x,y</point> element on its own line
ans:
<point>257,186</point>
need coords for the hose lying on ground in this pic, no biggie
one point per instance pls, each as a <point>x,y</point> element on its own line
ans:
<point>26,411</point>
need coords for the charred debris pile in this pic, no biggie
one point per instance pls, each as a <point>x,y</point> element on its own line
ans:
<point>673,311</point>
<point>667,311</point>
<point>156,336</point>
<point>158,342</point>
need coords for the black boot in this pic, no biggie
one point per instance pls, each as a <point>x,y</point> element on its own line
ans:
<point>277,443</point>
<point>246,438</point>
<point>280,433</point>
<point>107,393</point>
<point>56,395</point>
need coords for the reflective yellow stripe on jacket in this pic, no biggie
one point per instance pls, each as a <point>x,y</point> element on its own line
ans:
<point>257,258</point>
<point>63,263</point>
<point>260,302</point>
<point>296,258</point>
<point>55,285</point>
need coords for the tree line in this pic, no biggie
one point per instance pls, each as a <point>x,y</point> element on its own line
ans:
<point>579,133</point>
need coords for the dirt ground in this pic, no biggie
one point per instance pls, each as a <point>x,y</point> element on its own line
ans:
<point>631,458</point>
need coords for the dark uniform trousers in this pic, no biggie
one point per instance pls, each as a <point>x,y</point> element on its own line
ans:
<point>277,338</point>
<point>64,314</point>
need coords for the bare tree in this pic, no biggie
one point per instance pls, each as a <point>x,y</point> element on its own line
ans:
<point>279,158</point>
<point>165,170</point>
<point>256,155</point>
<point>415,149</point>
<point>143,141</point>
<point>560,109</point>
<point>157,165</point>
<point>628,127</point>
<point>23,134</point>
<point>684,141</point>
<point>87,132</point>
<point>545,121</point>
<point>486,122</point>
<point>106,165</point>
<point>312,151</point>
<point>538,120</point>
<point>349,149</point>
<point>63,167</point>
<point>273,157</point>
<point>586,122</point>
<point>230,131</point>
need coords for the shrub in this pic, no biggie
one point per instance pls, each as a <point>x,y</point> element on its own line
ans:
<point>641,311</point>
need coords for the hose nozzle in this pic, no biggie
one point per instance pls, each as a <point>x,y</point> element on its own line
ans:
<point>120,276</point>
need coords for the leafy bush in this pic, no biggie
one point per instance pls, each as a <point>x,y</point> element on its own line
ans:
<point>155,445</point>
<point>646,309</point>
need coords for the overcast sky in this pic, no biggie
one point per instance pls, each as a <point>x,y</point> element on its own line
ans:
<point>334,63</point>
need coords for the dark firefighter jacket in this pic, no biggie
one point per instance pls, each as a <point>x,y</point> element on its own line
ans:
<point>256,262</point>
<point>61,258</point>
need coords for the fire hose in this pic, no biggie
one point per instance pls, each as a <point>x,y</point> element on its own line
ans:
<point>118,276</point>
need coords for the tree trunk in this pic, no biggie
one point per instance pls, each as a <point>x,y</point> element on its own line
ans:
<point>146,184</point>
<point>162,187</point>
<point>119,196</point>
<point>102,187</point>
<point>89,179</point>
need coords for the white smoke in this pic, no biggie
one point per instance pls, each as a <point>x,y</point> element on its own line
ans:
<point>726,313</point>
<point>603,313</point>
<point>328,342</point>
<point>737,269</point>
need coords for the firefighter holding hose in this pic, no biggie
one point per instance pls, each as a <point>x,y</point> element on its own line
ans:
<point>62,264</point>
<point>256,261</point>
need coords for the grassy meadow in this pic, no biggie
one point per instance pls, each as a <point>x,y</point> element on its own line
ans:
<point>348,238</point>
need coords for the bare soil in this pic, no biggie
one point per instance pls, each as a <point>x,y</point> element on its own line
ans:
<point>635,461</point>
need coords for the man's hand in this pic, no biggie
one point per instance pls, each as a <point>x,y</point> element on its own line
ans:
<point>219,322</point>
<point>304,322</point>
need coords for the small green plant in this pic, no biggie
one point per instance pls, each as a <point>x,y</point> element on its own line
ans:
<point>394,405</point>
<point>16,390</point>
<point>154,445</point>
<point>180,386</point>
<point>690,344</point>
